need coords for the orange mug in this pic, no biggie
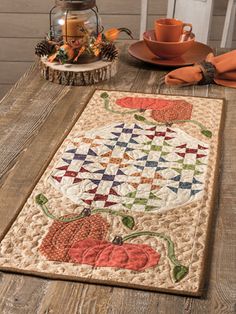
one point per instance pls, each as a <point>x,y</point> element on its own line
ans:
<point>171,30</point>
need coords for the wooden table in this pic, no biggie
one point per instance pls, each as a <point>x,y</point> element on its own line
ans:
<point>34,118</point>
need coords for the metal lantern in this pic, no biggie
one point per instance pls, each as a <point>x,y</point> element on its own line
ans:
<point>72,21</point>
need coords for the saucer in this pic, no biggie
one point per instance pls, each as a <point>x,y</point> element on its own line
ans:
<point>195,54</point>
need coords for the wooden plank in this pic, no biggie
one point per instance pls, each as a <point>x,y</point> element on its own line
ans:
<point>17,49</point>
<point>157,7</point>
<point>105,6</point>
<point>20,294</point>
<point>21,25</point>
<point>23,6</point>
<point>131,7</point>
<point>141,302</point>
<point>70,297</point>
<point>12,71</point>
<point>4,89</point>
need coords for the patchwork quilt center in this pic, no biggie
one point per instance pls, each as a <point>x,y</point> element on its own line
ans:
<point>132,166</point>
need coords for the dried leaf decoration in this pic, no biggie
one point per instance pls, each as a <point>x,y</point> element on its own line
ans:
<point>99,253</point>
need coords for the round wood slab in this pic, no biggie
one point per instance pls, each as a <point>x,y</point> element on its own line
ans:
<point>78,74</point>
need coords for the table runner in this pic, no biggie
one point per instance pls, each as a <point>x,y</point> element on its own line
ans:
<point>128,197</point>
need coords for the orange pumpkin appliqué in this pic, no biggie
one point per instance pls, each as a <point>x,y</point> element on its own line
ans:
<point>163,110</point>
<point>64,235</point>
<point>100,253</point>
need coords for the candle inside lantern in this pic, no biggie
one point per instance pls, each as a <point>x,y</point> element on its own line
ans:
<point>73,28</point>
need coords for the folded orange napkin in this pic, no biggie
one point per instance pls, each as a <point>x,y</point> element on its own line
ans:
<point>224,67</point>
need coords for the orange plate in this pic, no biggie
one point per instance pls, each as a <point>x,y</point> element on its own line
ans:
<point>196,54</point>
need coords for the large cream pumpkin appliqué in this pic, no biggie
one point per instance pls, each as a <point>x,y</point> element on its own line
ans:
<point>132,166</point>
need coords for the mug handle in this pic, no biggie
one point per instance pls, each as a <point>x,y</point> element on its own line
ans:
<point>187,33</point>
<point>189,25</point>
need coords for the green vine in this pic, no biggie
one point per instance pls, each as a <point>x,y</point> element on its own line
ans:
<point>106,100</point>
<point>204,131</point>
<point>41,200</point>
<point>179,270</point>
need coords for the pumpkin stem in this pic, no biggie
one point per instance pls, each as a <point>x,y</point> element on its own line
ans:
<point>86,212</point>
<point>118,240</point>
<point>179,271</point>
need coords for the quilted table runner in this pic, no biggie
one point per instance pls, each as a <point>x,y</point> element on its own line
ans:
<point>128,197</point>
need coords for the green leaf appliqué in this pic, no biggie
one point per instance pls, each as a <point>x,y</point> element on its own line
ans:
<point>139,118</point>
<point>104,95</point>
<point>41,199</point>
<point>179,272</point>
<point>207,133</point>
<point>128,221</point>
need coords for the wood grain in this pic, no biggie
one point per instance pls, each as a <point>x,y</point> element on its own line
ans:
<point>17,49</point>
<point>84,298</point>
<point>86,74</point>
<point>21,294</point>
<point>12,71</point>
<point>44,134</point>
<point>105,6</point>
<point>21,26</point>
<point>4,88</point>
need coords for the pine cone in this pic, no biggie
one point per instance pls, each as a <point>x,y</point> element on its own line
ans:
<point>109,51</point>
<point>44,48</point>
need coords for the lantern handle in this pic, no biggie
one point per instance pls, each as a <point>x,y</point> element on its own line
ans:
<point>95,11</point>
<point>66,18</point>
<point>50,21</point>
